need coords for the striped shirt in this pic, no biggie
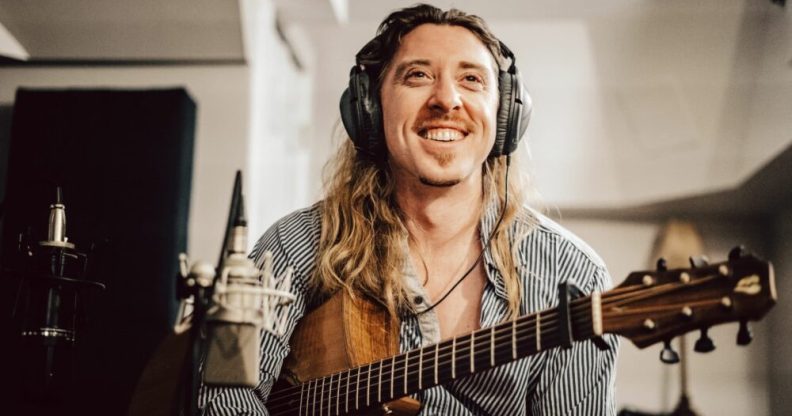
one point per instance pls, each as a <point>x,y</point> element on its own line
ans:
<point>574,381</point>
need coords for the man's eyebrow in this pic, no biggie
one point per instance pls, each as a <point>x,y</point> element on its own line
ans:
<point>473,65</point>
<point>406,64</point>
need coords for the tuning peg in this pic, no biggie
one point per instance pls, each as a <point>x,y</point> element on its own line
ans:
<point>704,343</point>
<point>662,265</point>
<point>668,355</point>
<point>699,261</point>
<point>744,335</point>
<point>738,252</point>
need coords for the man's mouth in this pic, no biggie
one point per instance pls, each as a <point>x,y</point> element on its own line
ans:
<point>442,134</point>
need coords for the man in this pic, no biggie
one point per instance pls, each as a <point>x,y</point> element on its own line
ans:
<point>421,215</point>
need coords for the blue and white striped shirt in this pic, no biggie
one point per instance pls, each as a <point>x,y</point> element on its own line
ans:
<point>574,381</point>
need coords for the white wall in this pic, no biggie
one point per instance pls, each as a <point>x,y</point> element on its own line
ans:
<point>731,380</point>
<point>280,150</point>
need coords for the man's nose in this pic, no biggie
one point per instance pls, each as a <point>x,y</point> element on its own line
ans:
<point>445,96</point>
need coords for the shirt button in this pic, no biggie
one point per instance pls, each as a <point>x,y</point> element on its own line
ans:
<point>418,300</point>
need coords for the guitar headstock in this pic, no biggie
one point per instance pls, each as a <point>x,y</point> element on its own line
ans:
<point>654,306</point>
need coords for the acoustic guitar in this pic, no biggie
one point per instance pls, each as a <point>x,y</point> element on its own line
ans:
<point>365,374</point>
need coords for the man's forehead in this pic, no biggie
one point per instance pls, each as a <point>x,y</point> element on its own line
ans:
<point>431,44</point>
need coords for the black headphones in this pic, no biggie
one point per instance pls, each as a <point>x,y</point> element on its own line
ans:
<point>362,115</point>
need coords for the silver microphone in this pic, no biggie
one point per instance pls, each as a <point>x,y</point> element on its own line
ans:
<point>244,302</point>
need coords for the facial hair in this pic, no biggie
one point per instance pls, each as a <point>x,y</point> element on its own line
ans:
<point>443,159</point>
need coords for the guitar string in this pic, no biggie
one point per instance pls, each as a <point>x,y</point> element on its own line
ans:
<point>443,373</point>
<point>276,405</point>
<point>525,326</point>
<point>463,348</point>
<point>485,339</point>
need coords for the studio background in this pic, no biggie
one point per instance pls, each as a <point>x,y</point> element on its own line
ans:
<point>643,111</point>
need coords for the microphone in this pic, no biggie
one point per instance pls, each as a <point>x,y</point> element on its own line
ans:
<point>244,302</point>
<point>54,273</point>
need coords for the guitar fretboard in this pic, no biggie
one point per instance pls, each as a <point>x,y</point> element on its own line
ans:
<point>382,381</point>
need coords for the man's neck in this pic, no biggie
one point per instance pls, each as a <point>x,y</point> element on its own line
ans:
<point>438,215</point>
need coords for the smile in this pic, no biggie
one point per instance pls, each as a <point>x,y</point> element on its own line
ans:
<point>442,134</point>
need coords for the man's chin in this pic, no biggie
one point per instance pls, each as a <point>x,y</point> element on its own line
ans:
<point>439,183</point>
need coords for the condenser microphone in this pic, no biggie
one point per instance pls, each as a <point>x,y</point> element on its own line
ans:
<point>234,320</point>
<point>53,276</point>
<point>243,303</point>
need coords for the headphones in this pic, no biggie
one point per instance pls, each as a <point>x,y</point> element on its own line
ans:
<point>361,112</point>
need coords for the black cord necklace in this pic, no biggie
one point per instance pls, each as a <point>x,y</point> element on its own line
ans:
<point>485,248</point>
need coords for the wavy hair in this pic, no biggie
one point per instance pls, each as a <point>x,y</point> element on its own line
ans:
<point>363,237</point>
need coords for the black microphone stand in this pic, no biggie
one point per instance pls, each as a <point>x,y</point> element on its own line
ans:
<point>200,287</point>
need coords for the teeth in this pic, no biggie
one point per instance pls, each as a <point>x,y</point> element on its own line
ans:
<point>443,135</point>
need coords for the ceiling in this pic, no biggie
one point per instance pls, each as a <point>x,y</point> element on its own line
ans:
<point>636,102</point>
<point>140,30</point>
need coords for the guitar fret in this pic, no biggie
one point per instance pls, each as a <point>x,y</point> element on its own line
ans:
<point>379,383</point>
<point>538,332</point>
<point>312,400</point>
<point>368,387</point>
<point>453,358</point>
<point>321,397</point>
<point>437,353</point>
<point>330,396</point>
<point>406,360</point>
<point>492,346</point>
<point>338,394</point>
<point>392,372</point>
<point>420,369</point>
<point>514,339</point>
<point>357,390</point>
<point>346,396</point>
<point>472,352</point>
<point>302,390</point>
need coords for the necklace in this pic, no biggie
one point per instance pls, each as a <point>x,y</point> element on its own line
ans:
<point>417,249</point>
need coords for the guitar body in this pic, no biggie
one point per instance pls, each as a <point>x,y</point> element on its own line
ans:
<point>343,333</point>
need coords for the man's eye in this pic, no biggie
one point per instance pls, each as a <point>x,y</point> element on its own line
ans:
<point>472,78</point>
<point>417,74</point>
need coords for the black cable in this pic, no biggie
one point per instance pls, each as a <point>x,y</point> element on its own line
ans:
<point>486,246</point>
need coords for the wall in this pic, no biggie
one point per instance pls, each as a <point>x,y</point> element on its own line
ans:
<point>779,326</point>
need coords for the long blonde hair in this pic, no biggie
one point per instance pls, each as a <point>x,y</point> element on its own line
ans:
<point>363,236</point>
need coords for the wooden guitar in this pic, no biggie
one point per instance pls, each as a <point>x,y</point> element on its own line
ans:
<point>366,375</point>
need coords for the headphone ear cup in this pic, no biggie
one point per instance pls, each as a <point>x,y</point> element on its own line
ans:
<point>361,115</point>
<point>348,116</point>
<point>513,114</point>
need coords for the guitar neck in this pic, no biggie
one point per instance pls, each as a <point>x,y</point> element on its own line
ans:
<point>382,381</point>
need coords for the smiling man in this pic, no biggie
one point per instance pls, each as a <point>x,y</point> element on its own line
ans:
<point>422,217</point>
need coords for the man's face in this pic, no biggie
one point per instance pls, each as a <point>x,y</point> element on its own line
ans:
<point>439,103</point>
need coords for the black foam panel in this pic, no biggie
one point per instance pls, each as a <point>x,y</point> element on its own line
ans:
<point>124,160</point>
